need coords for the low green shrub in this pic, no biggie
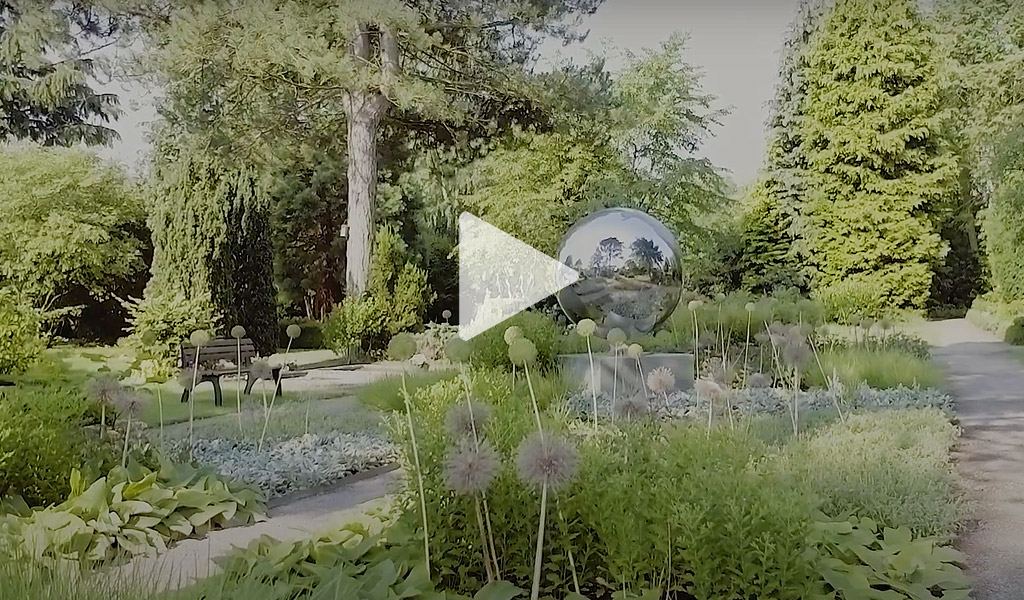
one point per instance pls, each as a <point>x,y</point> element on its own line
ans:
<point>27,580</point>
<point>42,437</point>
<point>893,467</point>
<point>877,368</point>
<point>848,301</point>
<point>490,351</point>
<point>20,338</point>
<point>1015,332</point>
<point>159,323</point>
<point>993,313</point>
<point>386,392</point>
<point>127,513</point>
<point>311,337</point>
<point>396,299</point>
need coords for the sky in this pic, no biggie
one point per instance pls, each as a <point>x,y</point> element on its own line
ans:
<point>735,43</point>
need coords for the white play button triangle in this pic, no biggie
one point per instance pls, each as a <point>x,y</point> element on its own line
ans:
<point>500,276</point>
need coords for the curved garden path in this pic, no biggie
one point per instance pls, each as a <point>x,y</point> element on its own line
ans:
<point>987,384</point>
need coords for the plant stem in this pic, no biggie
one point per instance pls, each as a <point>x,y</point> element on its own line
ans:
<point>124,452</point>
<point>490,537</point>
<point>615,373</point>
<point>746,347</point>
<point>483,495</point>
<point>160,406</point>
<point>192,403</point>
<point>533,398</point>
<point>593,381</point>
<point>273,396</point>
<point>307,415</point>
<point>483,540</point>
<point>419,473</point>
<point>238,381</point>
<point>103,420</point>
<point>572,561</point>
<point>535,591</point>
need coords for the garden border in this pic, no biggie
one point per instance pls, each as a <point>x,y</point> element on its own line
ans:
<point>320,490</point>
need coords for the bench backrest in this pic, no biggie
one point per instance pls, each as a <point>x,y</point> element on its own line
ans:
<point>217,350</point>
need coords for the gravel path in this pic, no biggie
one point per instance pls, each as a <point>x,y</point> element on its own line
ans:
<point>987,383</point>
<point>191,560</point>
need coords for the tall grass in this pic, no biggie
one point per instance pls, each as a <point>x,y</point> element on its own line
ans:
<point>28,580</point>
<point>878,368</point>
<point>386,393</point>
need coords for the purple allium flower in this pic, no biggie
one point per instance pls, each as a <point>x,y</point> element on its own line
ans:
<point>461,424</point>
<point>707,388</point>
<point>127,402</point>
<point>260,369</point>
<point>547,459</point>
<point>661,380</point>
<point>471,468</point>
<point>795,352</point>
<point>630,407</point>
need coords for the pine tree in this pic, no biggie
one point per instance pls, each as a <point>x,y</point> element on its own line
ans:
<point>879,173</point>
<point>46,62</point>
<point>773,254</point>
<point>212,245</point>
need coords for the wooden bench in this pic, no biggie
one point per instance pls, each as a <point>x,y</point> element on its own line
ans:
<point>210,364</point>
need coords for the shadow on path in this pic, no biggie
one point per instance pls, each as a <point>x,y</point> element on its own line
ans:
<point>987,385</point>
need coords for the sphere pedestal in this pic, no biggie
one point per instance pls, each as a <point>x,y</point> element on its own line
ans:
<point>577,366</point>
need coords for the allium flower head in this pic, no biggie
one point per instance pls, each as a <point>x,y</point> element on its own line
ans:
<point>105,389</point>
<point>471,468</point>
<point>148,339</point>
<point>759,380</point>
<point>238,332</point>
<point>127,402</point>
<point>661,380</point>
<point>616,337</point>
<point>402,347</point>
<point>885,323</point>
<point>463,418</point>
<point>750,306</point>
<point>693,305</point>
<point>260,369</point>
<point>522,352</point>
<point>635,350</point>
<point>293,331</point>
<point>457,350</point>
<point>631,407</point>
<point>547,459</point>
<point>586,327</point>
<point>719,296</point>
<point>707,388</point>
<point>446,314</point>
<point>199,338</point>
<point>512,333</point>
<point>795,352</point>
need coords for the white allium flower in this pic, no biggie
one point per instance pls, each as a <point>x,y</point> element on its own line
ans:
<point>630,407</point>
<point>707,388</point>
<point>635,350</point>
<point>661,380</point>
<point>759,380</point>
<point>586,327</point>
<point>693,305</point>
<point>512,333</point>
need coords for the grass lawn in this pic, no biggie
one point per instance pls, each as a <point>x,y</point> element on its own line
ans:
<point>166,397</point>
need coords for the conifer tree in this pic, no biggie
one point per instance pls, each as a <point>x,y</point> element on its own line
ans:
<point>879,173</point>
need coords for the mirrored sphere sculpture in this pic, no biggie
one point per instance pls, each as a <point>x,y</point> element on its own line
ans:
<point>630,271</point>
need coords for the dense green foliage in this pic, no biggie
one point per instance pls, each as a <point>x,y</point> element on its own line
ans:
<point>878,170</point>
<point>46,69</point>
<point>20,340</point>
<point>1004,221</point>
<point>396,300</point>
<point>212,247</point>
<point>73,238</point>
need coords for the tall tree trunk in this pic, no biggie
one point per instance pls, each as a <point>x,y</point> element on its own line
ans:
<point>364,109</point>
<point>362,192</point>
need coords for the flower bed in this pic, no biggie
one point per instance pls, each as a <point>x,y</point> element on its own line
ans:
<point>287,465</point>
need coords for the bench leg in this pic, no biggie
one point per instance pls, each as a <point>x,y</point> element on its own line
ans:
<point>277,378</point>
<point>249,381</point>
<point>218,399</point>
<point>184,395</point>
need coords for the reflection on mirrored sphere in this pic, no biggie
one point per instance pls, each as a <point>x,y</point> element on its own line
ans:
<point>630,272</point>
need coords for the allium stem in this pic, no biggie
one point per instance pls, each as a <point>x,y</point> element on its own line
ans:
<point>192,403</point>
<point>533,398</point>
<point>490,536</point>
<point>238,381</point>
<point>615,373</point>
<point>483,540</point>
<point>273,396</point>
<point>539,555</point>
<point>593,381</point>
<point>643,380</point>
<point>746,347</point>
<point>103,420</point>
<point>124,452</point>
<point>160,407</point>
<point>419,473</point>
<point>483,496</point>
<point>572,561</point>
<point>711,412</point>
<point>696,332</point>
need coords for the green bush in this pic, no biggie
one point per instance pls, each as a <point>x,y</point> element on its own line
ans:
<point>42,437</point>
<point>395,301</point>
<point>850,300</point>
<point>20,340</point>
<point>311,338</point>
<point>167,319</point>
<point>994,313</point>
<point>490,351</point>
<point>1015,332</point>
<point>891,466</point>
